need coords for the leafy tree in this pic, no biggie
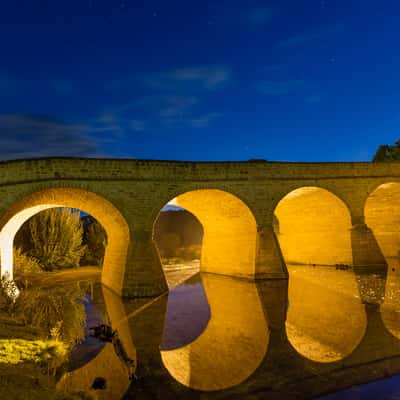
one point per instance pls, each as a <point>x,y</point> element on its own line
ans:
<point>54,238</point>
<point>169,244</point>
<point>95,240</point>
<point>388,153</point>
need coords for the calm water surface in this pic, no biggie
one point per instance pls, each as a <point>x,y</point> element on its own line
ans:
<point>223,338</point>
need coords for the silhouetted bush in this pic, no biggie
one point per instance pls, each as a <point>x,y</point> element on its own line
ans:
<point>95,241</point>
<point>54,238</point>
<point>168,245</point>
<point>192,252</point>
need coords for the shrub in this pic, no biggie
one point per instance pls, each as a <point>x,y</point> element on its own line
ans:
<point>54,238</point>
<point>95,240</point>
<point>24,264</point>
<point>169,244</point>
<point>192,252</point>
<point>9,292</point>
<point>59,312</point>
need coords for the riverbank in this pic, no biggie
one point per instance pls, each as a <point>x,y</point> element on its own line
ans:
<point>27,361</point>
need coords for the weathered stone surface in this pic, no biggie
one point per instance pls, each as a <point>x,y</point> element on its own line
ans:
<point>127,196</point>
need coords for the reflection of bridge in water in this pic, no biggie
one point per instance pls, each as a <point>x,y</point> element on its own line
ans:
<point>248,343</point>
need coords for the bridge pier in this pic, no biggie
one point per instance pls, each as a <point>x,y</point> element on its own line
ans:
<point>370,266</point>
<point>367,254</point>
<point>144,275</point>
<point>269,260</point>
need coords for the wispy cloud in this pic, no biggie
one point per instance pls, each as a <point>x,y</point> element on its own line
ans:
<point>12,84</point>
<point>203,121</point>
<point>172,106</point>
<point>136,125</point>
<point>299,39</point>
<point>62,87</point>
<point>106,118</point>
<point>31,135</point>
<point>304,38</point>
<point>166,111</point>
<point>280,88</point>
<point>116,123</point>
<point>209,77</point>
<point>204,77</point>
<point>8,84</point>
<point>313,98</point>
<point>172,99</point>
<point>260,15</point>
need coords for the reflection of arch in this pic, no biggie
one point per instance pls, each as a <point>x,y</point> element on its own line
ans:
<point>108,216</point>
<point>314,227</point>
<point>106,364</point>
<point>233,344</point>
<point>229,240</point>
<point>382,216</point>
<point>390,309</point>
<point>325,320</point>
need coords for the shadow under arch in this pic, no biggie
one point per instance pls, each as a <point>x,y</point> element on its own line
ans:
<point>101,209</point>
<point>229,231</point>
<point>326,319</point>
<point>233,344</point>
<point>382,216</point>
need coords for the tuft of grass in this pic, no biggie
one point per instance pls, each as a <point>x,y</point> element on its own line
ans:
<point>15,351</point>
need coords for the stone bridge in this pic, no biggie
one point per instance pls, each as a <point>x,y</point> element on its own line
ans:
<point>257,216</point>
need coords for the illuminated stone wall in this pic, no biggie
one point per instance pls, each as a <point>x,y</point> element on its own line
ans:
<point>110,218</point>
<point>314,228</point>
<point>229,238</point>
<point>136,190</point>
<point>382,215</point>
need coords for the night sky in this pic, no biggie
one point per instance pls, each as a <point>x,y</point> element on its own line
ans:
<point>199,80</point>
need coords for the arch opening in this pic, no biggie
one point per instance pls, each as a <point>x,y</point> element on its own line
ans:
<point>326,320</point>
<point>382,216</point>
<point>228,245</point>
<point>102,210</point>
<point>178,236</point>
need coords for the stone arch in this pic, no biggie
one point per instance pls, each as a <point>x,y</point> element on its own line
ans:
<point>103,210</point>
<point>229,231</point>
<point>382,216</point>
<point>326,320</point>
<point>309,213</point>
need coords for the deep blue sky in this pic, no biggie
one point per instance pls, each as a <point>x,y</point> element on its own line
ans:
<point>199,80</point>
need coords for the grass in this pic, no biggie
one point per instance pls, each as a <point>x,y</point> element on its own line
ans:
<point>30,354</point>
<point>15,351</point>
<point>26,362</point>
